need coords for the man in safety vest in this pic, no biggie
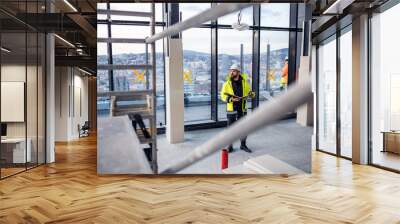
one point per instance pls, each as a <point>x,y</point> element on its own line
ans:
<point>235,92</point>
<point>285,74</point>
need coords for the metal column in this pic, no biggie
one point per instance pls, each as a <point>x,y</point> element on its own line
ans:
<point>154,86</point>
<point>214,70</point>
<point>256,56</point>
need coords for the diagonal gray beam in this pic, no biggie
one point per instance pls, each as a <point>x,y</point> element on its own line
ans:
<point>205,16</point>
<point>338,6</point>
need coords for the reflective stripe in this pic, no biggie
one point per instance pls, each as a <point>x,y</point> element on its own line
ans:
<point>231,112</point>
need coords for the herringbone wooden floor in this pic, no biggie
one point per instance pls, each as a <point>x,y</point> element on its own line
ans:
<point>70,191</point>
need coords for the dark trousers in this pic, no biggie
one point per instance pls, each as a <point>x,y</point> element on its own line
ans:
<point>232,118</point>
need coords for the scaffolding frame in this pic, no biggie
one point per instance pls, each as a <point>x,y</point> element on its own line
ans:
<point>149,94</point>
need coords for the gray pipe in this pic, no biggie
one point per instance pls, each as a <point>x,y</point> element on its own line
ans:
<point>205,16</point>
<point>266,114</point>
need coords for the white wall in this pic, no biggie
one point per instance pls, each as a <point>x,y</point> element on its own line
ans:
<point>71,102</point>
<point>33,125</point>
<point>14,73</point>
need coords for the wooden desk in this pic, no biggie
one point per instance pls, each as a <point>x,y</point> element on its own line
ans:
<point>391,141</point>
<point>13,150</point>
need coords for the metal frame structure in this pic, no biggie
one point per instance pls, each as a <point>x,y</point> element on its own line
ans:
<point>154,99</point>
<point>110,67</point>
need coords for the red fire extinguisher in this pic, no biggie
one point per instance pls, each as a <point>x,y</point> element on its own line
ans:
<point>224,159</point>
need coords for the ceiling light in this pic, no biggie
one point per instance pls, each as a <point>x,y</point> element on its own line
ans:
<point>240,26</point>
<point>64,40</point>
<point>5,50</point>
<point>70,5</point>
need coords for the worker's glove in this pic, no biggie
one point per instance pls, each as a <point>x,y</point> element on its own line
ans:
<point>252,94</point>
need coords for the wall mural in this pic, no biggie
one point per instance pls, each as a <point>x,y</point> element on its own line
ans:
<point>127,143</point>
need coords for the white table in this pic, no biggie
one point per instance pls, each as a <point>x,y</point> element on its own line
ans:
<point>19,155</point>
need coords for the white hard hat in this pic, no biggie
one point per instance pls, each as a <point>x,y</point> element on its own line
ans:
<point>235,67</point>
<point>286,58</point>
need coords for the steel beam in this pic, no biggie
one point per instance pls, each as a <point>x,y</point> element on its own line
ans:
<point>86,61</point>
<point>123,13</point>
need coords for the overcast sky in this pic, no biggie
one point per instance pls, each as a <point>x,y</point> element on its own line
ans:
<point>196,39</point>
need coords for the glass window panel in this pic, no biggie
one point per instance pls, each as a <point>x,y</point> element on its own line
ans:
<point>189,10</point>
<point>13,73</point>
<point>129,54</point>
<point>274,48</point>
<point>130,18</point>
<point>385,85</point>
<point>102,30</point>
<point>197,74</point>
<point>247,17</point>
<point>229,42</point>
<point>136,7</point>
<point>346,94</point>
<point>103,103</point>
<point>125,31</point>
<point>102,57</point>
<point>133,7</point>
<point>159,12</point>
<point>327,97</point>
<point>130,80</point>
<point>101,16</point>
<point>275,15</point>
<point>32,101</point>
<point>102,81</point>
<point>160,80</point>
<point>101,5</point>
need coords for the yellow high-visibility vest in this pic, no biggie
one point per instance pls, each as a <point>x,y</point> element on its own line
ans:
<point>227,90</point>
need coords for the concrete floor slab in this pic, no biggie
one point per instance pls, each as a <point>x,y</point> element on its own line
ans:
<point>285,140</point>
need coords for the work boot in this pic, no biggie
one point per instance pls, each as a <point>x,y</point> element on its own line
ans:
<point>245,148</point>
<point>230,149</point>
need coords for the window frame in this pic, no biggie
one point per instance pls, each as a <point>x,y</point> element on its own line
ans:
<point>336,36</point>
